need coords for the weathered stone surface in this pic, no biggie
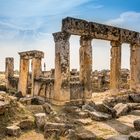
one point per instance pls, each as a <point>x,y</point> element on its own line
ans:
<point>35,109</point>
<point>47,107</point>
<point>112,101</point>
<point>60,128</point>
<point>26,100</point>
<point>62,68</point>
<point>134,67</point>
<point>71,109</point>
<point>134,106</point>
<point>135,136</point>
<point>40,120</point>
<point>86,66</point>
<point>115,65</point>
<point>9,71</point>
<point>85,136</point>
<point>99,31</point>
<point>36,57</point>
<point>99,116</point>
<point>26,124</point>
<point>18,95</point>
<point>88,107</point>
<point>37,100</point>
<point>84,121</point>
<point>134,98</point>
<point>3,106</point>
<point>82,114</point>
<point>105,109</point>
<point>137,124</point>
<point>120,137</point>
<point>23,76</point>
<point>31,54</point>
<point>121,109</point>
<point>13,130</point>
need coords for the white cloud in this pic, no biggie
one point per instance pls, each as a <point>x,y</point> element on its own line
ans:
<point>130,20</point>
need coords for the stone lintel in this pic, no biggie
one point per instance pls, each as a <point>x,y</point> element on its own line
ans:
<point>31,54</point>
<point>99,31</point>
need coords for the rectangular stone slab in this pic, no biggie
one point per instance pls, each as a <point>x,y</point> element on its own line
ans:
<point>99,31</point>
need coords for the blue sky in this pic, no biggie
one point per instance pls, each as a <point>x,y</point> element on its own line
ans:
<point>29,24</point>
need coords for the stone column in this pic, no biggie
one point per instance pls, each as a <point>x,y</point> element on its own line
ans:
<point>86,66</point>
<point>62,68</point>
<point>23,76</point>
<point>115,65</point>
<point>9,71</point>
<point>36,72</point>
<point>135,67</point>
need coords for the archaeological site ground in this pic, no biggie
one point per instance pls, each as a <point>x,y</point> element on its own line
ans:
<point>64,104</point>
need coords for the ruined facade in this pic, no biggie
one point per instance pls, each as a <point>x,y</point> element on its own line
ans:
<point>88,31</point>
<point>36,57</point>
<point>60,85</point>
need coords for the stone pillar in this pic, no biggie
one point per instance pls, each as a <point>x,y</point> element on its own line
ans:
<point>62,68</point>
<point>36,72</point>
<point>23,76</point>
<point>86,66</point>
<point>135,67</point>
<point>9,71</point>
<point>115,65</point>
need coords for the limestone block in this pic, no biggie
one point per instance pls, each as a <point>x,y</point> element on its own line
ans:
<point>40,120</point>
<point>13,130</point>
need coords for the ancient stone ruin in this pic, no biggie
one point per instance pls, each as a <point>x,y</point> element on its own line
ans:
<point>62,88</point>
<point>34,97</point>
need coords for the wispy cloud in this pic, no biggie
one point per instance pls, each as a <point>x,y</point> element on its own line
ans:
<point>128,20</point>
<point>29,19</point>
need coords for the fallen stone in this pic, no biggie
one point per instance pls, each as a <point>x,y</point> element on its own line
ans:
<point>134,106</point>
<point>121,109</point>
<point>106,109</point>
<point>134,98</point>
<point>13,130</point>
<point>120,137</point>
<point>137,124</point>
<point>112,101</point>
<point>87,135</point>
<point>99,116</point>
<point>88,107</point>
<point>59,128</point>
<point>35,109</point>
<point>71,109</point>
<point>82,114</point>
<point>25,100</point>
<point>3,107</point>
<point>135,136</point>
<point>26,124</point>
<point>52,134</point>
<point>37,100</point>
<point>40,120</point>
<point>83,121</point>
<point>47,108</point>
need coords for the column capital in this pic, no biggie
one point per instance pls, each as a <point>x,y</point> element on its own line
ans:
<point>86,37</point>
<point>61,36</point>
<point>115,43</point>
<point>85,40</point>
